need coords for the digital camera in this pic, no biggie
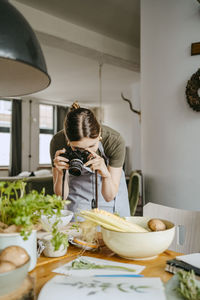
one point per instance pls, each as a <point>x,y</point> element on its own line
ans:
<point>76,160</point>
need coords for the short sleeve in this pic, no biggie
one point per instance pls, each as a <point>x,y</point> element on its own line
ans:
<point>114,146</point>
<point>117,153</point>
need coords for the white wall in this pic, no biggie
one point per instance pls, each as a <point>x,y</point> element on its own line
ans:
<point>119,116</point>
<point>124,121</point>
<point>170,128</point>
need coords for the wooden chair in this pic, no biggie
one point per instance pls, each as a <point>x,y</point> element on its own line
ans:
<point>187,234</point>
<point>134,191</point>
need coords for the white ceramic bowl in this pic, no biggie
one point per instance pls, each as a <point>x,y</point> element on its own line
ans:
<point>139,245</point>
<point>30,245</point>
<point>10,281</point>
<point>65,218</point>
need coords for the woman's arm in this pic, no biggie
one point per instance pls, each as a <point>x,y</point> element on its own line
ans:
<point>60,164</point>
<point>110,176</point>
<point>110,184</point>
<point>57,183</point>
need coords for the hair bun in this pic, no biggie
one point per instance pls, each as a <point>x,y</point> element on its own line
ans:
<point>75,105</point>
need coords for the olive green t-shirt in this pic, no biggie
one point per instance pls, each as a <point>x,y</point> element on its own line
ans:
<point>112,141</point>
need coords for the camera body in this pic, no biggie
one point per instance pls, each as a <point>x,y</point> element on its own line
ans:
<point>76,160</point>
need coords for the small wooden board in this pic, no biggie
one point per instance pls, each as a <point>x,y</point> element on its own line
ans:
<point>195,48</point>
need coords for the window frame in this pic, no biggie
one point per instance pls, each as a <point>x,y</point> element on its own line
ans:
<point>6,129</point>
<point>47,131</point>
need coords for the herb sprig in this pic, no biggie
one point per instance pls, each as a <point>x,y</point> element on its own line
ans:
<point>84,264</point>
<point>59,238</point>
<point>187,286</point>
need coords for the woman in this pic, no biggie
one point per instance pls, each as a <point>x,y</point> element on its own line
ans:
<point>107,149</point>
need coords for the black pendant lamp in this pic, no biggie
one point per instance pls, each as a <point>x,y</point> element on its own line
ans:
<point>22,65</point>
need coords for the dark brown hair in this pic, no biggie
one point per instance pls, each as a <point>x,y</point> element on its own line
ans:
<point>79,123</point>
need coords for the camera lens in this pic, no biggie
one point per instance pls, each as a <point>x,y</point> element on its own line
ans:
<point>75,167</point>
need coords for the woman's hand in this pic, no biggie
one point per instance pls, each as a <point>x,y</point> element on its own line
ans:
<point>96,162</point>
<point>60,162</point>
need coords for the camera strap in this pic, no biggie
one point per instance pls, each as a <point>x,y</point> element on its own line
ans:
<point>96,188</point>
<point>63,183</point>
<point>94,203</point>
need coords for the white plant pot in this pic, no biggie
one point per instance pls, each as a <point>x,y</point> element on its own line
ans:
<point>30,245</point>
<point>49,248</point>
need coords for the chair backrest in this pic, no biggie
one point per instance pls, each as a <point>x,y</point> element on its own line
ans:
<point>34,183</point>
<point>187,233</point>
<point>134,191</point>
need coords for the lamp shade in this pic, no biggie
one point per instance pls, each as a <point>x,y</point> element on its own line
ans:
<point>22,65</point>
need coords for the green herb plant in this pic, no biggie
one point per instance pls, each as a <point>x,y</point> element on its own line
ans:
<point>84,264</point>
<point>187,286</point>
<point>59,238</point>
<point>25,209</point>
<point>96,286</point>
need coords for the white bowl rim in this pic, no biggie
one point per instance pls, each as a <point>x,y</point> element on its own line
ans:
<point>147,218</point>
<point>64,213</point>
<point>14,233</point>
<point>47,237</point>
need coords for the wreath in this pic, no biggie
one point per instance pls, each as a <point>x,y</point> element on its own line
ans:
<point>192,89</point>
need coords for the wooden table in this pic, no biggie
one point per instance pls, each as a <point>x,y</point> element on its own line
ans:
<point>154,268</point>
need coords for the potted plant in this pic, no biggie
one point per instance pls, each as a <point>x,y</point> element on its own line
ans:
<point>20,215</point>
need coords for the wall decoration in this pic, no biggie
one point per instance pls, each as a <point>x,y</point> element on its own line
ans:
<point>130,104</point>
<point>195,48</point>
<point>192,91</point>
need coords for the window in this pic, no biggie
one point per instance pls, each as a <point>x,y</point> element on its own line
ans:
<point>46,132</point>
<point>5,125</point>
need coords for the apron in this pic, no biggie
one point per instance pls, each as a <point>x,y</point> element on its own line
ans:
<point>82,191</point>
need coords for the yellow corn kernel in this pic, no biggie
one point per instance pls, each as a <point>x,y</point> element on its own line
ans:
<point>111,221</point>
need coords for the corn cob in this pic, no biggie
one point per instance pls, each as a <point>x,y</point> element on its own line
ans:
<point>111,221</point>
<point>99,222</point>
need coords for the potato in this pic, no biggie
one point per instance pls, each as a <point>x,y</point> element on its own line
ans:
<point>3,225</point>
<point>6,266</point>
<point>11,229</point>
<point>156,225</point>
<point>14,254</point>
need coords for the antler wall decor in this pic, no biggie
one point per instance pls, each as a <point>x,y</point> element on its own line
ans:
<point>131,106</point>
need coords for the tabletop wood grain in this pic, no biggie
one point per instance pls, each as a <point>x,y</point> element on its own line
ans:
<point>154,267</point>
